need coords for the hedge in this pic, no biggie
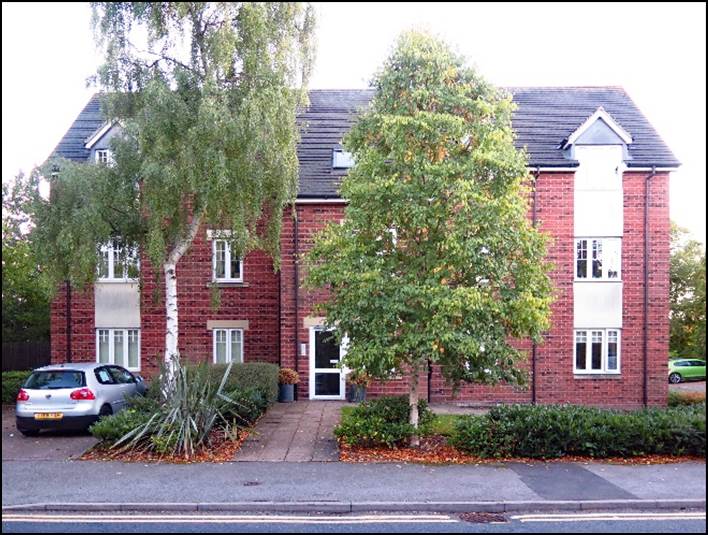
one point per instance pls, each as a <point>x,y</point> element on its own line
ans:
<point>559,430</point>
<point>11,384</point>
<point>382,422</point>
<point>262,376</point>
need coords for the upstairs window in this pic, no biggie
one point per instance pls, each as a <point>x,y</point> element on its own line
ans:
<point>104,157</point>
<point>225,267</point>
<point>342,159</point>
<point>598,259</point>
<point>118,262</point>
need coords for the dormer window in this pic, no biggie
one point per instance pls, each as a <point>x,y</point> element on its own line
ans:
<point>342,159</point>
<point>104,157</point>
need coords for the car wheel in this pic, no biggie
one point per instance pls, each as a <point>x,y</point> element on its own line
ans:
<point>675,378</point>
<point>106,410</point>
<point>30,432</point>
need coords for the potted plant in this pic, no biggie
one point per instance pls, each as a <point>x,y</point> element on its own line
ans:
<point>358,381</point>
<point>287,379</point>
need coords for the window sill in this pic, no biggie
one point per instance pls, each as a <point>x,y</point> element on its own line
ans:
<point>597,280</point>
<point>228,284</point>
<point>116,281</point>
<point>606,375</point>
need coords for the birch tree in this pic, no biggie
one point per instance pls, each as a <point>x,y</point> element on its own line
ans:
<point>435,261</point>
<point>205,97</point>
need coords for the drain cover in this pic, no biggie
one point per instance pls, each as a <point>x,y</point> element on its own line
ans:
<point>482,518</point>
<point>251,483</point>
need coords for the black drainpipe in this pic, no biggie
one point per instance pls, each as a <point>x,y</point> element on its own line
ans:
<point>296,284</point>
<point>430,380</point>
<point>68,321</point>
<point>533,344</point>
<point>646,285</point>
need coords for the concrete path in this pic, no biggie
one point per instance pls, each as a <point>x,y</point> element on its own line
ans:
<point>294,432</point>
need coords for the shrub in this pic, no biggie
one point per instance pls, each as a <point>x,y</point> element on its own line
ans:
<point>382,421</point>
<point>111,428</point>
<point>678,398</point>
<point>183,423</point>
<point>11,384</point>
<point>558,430</point>
<point>249,405</point>
<point>260,375</point>
<point>286,376</point>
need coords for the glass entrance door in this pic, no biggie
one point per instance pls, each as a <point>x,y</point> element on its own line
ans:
<point>326,379</point>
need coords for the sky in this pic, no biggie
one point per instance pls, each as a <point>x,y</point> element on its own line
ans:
<point>656,51</point>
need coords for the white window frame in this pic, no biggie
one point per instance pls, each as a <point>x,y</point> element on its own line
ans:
<point>589,258</point>
<point>104,157</point>
<point>229,356</point>
<point>111,347</point>
<point>227,259</point>
<point>112,248</point>
<point>604,370</point>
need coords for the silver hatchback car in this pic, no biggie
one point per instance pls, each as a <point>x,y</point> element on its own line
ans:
<point>73,396</point>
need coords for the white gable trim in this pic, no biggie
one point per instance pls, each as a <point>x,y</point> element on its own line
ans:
<point>607,118</point>
<point>98,135</point>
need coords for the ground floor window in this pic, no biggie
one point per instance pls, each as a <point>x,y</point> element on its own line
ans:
<point>597,351</point>
<point>228,345</point>
<point>118,346</point>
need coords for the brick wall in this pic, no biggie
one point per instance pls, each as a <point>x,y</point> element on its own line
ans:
<point>267,301</point>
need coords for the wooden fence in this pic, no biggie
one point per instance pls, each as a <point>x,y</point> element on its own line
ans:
<point>25,355</point>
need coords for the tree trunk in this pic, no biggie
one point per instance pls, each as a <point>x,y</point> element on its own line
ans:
<point>171,315</point>
<point>172,327</point>
<point>413,406</point>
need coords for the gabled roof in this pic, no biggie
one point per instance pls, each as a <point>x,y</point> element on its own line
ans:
<point>599,115</point>
<point>545,118</point>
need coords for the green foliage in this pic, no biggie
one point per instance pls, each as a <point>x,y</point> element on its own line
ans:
<point>11,384</point>
<point>183,423</point>
<point>678,398</point>
<point>688,295</point>
<point>382,421</point>
<point>262,376</point>
<point>110,429</point>
<point>207,116</point>
<point>25,295</point>
<point>558,430</point>
<point>435,258</point>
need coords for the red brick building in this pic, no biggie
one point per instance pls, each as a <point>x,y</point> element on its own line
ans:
<point>601,193</point>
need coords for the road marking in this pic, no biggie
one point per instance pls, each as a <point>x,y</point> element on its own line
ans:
<point>231,519</point>
<point>591,517</point>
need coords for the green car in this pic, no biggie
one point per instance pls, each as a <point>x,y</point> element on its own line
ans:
<point>686,370</point>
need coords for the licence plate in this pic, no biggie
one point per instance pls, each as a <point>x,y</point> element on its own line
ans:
<point>48,415</point>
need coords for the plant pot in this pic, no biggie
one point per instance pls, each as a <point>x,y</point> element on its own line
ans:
<point>357,393</point>
<point>286,393</point>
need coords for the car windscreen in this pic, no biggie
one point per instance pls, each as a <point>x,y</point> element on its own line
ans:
<point>53,379</point>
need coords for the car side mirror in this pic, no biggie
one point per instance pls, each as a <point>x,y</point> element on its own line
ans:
<point>139,378</point>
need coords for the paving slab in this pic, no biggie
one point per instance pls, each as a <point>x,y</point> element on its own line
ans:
<point>294,432</point>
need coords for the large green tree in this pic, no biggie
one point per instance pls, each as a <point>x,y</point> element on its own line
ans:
<point>205,95</point>
<point>435,260</point>
<point>688,295</point>
<point>25,297</point>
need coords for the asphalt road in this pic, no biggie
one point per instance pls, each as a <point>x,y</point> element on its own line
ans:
<point>612,522</point>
